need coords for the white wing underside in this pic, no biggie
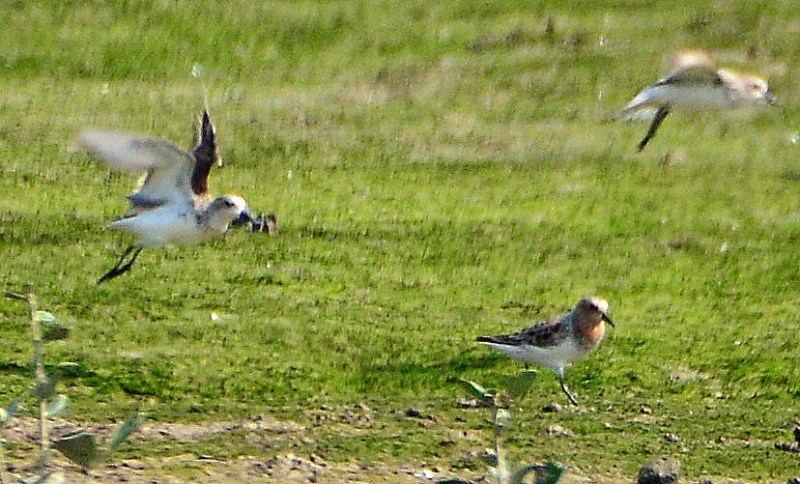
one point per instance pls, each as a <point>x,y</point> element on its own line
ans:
<point>168,168</point>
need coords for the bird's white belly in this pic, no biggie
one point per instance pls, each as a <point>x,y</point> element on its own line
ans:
<point>164,226</point>
<point>556,358</point>
<point>693,98</point>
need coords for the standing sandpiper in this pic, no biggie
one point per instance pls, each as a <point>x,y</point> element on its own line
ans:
<point>558,343</point>
<point>695,84</point>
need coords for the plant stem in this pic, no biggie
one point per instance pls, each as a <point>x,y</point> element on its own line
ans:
<point>503,472</point>
<point>41,380</point>
<point>2,464</point>
<point>41,376</point>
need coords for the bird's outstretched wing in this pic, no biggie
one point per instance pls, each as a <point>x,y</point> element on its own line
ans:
<point>168,167</point>
<point>686,59</point>
<point>205,154</point>
<point>692,75</point>
<point>692,68</point>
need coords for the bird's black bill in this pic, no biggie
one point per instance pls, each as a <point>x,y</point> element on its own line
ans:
<point>772,100</point>
<point>244,218</point>
<point>259,223</point>
<point>657,120</point>
<point>121,268</point>
<point>608,320</point>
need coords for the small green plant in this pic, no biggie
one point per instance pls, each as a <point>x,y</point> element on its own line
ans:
<point>500,401</point>
<point>80,446</point>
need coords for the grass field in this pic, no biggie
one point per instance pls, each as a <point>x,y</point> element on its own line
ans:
<point>439,171</point>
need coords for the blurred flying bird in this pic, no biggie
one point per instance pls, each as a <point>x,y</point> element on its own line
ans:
<point>172,205</point>
<point>694,84</point>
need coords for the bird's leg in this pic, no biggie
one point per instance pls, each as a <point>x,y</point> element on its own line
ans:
<point>567,392</point>
<point>657,120</point>
<point>120,268</point>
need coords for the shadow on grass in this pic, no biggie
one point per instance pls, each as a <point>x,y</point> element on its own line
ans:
<point>449,367</point>
<point>410,375</point>
<point>62,371</point>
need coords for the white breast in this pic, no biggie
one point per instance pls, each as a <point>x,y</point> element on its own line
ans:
<point>169,225</point>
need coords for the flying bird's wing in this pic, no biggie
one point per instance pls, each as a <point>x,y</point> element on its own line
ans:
<point>205,155</point>
<point>692,58</point>
<point>693,75</point>
<point>688,69</point>
<point>168,167</point>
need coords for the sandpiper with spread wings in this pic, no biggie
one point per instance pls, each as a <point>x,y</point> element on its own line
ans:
<point>558,343</point>
<point>172,205</point>
<point>695,84</point>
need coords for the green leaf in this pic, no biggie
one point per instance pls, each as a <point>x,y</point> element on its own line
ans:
<point>48,478</point>
<point>54,332</point>
<point>45,388</point>
<point>548,474</point>
<point>79,447</point>
<point>36,479</point>
<point>476,389</point>
<point>8,412</point>
<point>520,384</point>
<point>502,417</point>
<point>52,329</point>
<point>55,478</point>
<point>70,368</point>
<point>45,317</point>
<point>489,457</point>
<point>56,406</point>
<point>124,431</point>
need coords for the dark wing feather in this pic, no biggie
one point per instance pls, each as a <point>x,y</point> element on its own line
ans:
<point>692,75</point>
<point>205,155</point>
<point>542,335</point>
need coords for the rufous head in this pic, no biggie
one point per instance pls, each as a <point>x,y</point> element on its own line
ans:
<point>594,310</point>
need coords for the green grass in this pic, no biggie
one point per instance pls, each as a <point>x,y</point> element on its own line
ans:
<point>439,172</point>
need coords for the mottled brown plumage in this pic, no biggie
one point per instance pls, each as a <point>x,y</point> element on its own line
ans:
<point>556,344</point>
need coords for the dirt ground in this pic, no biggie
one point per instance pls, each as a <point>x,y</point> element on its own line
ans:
<point>285,467</point>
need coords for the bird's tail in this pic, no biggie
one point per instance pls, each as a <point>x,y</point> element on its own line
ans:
<point>640,108</point>
<point>489,339</point>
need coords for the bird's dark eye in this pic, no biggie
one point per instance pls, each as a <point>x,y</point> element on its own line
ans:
<point>228,203</point>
